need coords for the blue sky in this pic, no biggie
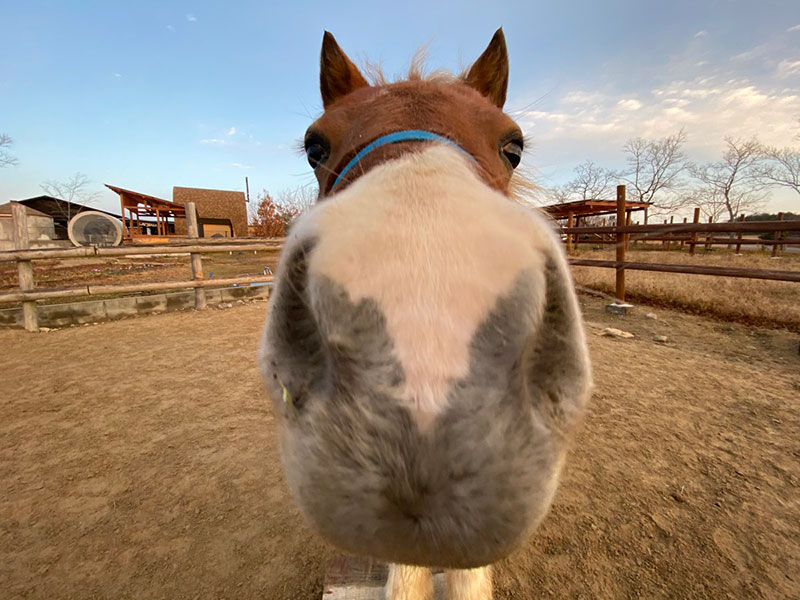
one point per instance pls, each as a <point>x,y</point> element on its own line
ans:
<point>149,95</point>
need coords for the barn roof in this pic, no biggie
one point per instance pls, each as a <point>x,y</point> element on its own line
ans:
<point>5,209</point>
<point>59,209</point>
<point>582,208</point>
<point>146,199</point>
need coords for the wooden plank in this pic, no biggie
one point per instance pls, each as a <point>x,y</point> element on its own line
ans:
<point>115,289</point>
<point>570,223</point>
<point>775,248</point>
<point>739,236</point>
<point>746,227</point>
<point>200,246</point>
<point>622,244</point>
<point>196,258</point>
<point>692,269</point>
<point>716,241</point>
<point>356,578</point>
<point>695,221</point>
<point>24,267</point>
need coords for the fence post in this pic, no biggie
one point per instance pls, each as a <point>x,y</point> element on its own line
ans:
<point>197,261</point>
<point>739,236</point>
<point>693,242</point>
<point>684,220</point>
<point>777,237</point>
<point>622,243</point>
<point>708,236</point>
<point>24,267</point>
<point>570,221</point>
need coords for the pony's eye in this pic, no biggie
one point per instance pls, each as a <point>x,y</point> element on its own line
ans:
<point>513,152</point>
<point>316,154</point>
<point>317,148</point>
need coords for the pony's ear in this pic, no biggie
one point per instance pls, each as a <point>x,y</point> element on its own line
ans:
<point>489,74</point>
<point>338,76</point>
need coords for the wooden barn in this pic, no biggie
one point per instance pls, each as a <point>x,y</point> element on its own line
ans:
<point>220,213</point>
<point>145,218</point>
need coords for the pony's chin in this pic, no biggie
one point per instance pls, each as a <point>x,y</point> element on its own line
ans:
<point>405,542</point>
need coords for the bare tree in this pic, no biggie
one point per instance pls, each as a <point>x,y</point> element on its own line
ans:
<point>654,170</point>
<point>709,200</point>
<point>6,159</point>
<point>302,198</point>
<point>781,167</point>
<point>73,190</point>
<point>732,182</point>
<point>592,182</point>
<point>274,216</point>
<point>560,194</point>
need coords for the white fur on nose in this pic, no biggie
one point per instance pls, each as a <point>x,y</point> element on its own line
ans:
<point>435,247</point>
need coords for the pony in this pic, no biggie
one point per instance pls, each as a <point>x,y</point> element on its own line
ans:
<point>423,343</point>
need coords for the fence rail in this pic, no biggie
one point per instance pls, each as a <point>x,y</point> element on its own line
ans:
<point>695,234</point>
<point>622,236</point>
<point>28,295</point>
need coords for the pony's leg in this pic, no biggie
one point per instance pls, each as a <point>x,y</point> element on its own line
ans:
<point>409,583</point>
<point>470,584</point>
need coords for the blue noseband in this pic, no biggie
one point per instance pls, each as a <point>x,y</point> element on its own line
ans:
<point>409,135</point>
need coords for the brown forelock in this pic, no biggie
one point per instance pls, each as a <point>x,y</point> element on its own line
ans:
<point>448,108</point>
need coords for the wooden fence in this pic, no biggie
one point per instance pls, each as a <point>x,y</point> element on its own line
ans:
<point>692,234</point>
<point>28,294</point>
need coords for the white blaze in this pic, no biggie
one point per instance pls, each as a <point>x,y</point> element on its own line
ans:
<point>435,247</point>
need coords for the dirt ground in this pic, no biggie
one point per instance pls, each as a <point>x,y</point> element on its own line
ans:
<point>138,460</point>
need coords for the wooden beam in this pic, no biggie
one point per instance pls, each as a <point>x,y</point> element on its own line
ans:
<point>117,289</point>
<point>691,269</point>
<point>777,237</point>
<point>622,244</point>
<point>24,267</point>
<point>354,578</point>
<point>196,258</point>
<point>570,223</point>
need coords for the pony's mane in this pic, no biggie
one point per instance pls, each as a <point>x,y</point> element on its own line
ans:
<point>417,71</point>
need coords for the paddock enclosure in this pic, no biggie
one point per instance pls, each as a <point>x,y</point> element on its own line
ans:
<point>158,476</point>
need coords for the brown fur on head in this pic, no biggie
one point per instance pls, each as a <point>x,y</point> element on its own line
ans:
<point>466,109</point>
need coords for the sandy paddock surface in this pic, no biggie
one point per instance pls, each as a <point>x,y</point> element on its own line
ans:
<point>138,460</point>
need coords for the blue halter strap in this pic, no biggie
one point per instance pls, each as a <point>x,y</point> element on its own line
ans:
<point>408,135</point>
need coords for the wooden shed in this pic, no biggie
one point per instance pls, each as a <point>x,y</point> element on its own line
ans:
<point>146,217</point>
<point>220,213</point>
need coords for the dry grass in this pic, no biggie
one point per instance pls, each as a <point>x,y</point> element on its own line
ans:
<point>752,301</point>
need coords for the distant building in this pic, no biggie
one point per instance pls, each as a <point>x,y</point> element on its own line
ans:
<point>61,211</point>
<point>40,227</point>
<point>220,213</point>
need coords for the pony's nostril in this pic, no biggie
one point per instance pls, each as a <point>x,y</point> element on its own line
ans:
<point>292,359</point>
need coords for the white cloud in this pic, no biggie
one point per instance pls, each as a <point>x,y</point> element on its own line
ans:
<point>214,142</point>
<point>117,75</point>
<point>759,51</point>
<point>241,166</point>
<point>232,131</point>
<point>701,33</point>
<point>581,97</point>
<point>191,18</point>
<point>787,68</point>
<point>629,104</point>
<point>707,108</point>
<point>170,28</point>
<point>795,28</point>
